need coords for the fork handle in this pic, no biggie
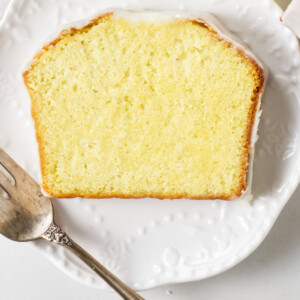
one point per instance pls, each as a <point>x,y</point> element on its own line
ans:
<point>56,235</point>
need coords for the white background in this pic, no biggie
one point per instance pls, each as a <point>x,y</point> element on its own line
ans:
<point>271,272</point>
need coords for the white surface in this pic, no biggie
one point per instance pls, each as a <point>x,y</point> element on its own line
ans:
<point>190,240</point>
<point>291,17</point>
<point>272,272</point>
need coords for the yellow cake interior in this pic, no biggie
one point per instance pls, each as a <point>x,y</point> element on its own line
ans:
<point>136,108</point>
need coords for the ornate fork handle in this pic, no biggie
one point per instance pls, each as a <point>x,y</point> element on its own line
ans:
<point>56,235</point>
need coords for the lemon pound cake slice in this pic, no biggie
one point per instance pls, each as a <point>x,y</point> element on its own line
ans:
<point>145,104</point>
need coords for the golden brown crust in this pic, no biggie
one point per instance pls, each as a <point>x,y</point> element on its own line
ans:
<point>134,196</point>
<point>260,78</point>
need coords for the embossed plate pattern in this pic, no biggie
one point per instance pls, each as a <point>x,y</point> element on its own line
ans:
<point>150,242</point>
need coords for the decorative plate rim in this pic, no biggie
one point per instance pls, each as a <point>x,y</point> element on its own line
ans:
<point>240,254</point>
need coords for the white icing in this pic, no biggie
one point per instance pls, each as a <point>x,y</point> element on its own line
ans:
<point>206,18</point>
<point>291,17</point>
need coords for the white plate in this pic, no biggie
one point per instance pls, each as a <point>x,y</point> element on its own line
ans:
<point>150,242</point>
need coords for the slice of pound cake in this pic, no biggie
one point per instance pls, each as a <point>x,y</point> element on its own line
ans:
<point>145,104</point>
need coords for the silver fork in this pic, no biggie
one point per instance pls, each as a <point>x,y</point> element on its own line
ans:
<point>26,215</point>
